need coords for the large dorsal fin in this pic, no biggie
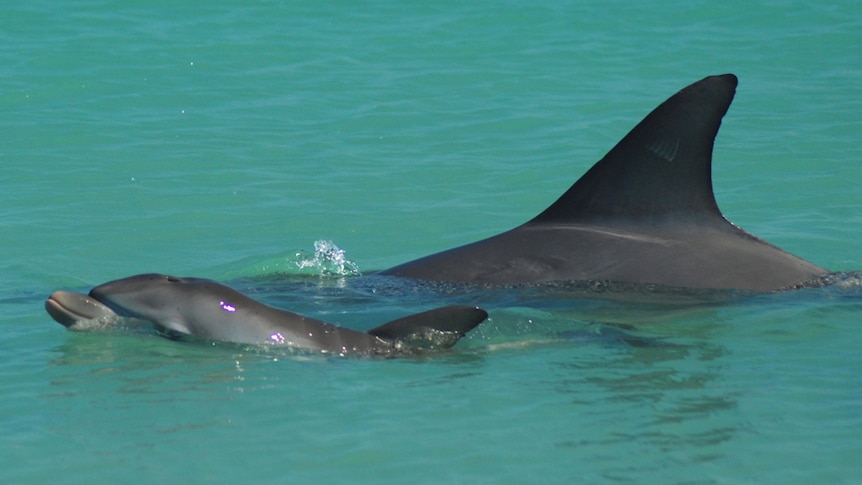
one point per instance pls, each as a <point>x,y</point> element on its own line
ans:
<point>662,169</point>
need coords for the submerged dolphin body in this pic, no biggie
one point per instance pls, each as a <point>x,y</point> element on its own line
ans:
<point>645,214</point>
<point>209,310</point>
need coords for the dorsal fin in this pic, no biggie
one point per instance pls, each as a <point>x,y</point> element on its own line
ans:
<point>442,327</point>
<point>662,169</point>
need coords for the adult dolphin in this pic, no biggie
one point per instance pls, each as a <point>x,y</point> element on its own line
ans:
<point>645,213</point>
<point>209,310</point>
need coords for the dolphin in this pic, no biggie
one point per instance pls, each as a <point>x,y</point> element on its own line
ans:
<point>205,309</point>
<point>643,214</point>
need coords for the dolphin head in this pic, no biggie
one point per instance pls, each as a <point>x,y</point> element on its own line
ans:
<point>171,303</point>
<point>79,312</point>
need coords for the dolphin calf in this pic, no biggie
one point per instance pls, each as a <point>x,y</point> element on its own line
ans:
<point>209,310</point>
<point>645,214</point>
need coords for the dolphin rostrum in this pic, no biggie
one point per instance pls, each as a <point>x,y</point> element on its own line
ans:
<point>208,310</point>
<point>644,214</point>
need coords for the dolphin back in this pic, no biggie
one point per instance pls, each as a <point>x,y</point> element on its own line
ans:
<point>439,328</point>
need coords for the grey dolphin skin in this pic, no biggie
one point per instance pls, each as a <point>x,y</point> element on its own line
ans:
<point>645,213</point>
<point>209,310</point>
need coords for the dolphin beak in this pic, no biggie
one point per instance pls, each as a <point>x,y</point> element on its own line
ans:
<point>69,308</point>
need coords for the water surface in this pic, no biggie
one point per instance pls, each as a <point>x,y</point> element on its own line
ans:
<point>220,140</point>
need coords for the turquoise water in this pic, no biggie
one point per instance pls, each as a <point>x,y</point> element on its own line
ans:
<point>220,140</point>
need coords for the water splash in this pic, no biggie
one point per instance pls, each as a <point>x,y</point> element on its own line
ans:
<point>327,260</point>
